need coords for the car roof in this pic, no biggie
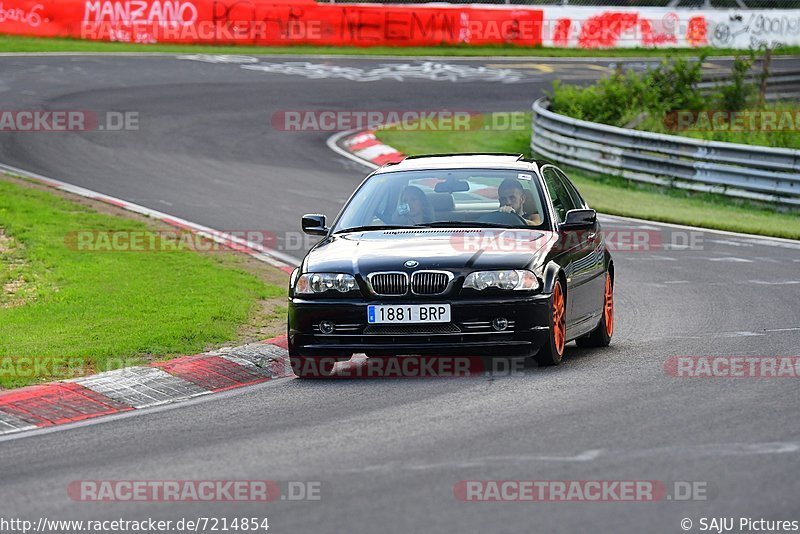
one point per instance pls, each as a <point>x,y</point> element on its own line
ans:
<point>461,161</point>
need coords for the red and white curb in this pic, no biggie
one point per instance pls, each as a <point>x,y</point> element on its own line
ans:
<point>275,258</point>
<point>136,388</point>
<point>366,147</point>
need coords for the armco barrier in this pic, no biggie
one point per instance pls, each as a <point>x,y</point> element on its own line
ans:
<point>281,22</point>
<point>744,171</point>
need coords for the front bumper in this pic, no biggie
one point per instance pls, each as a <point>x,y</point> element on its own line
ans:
<point>469,333</point>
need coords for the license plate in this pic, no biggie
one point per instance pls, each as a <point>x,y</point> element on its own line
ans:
<point>408,313</point>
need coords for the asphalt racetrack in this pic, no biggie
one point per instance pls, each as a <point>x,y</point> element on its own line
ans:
<point>389,452</point>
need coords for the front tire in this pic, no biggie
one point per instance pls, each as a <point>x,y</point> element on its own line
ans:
<point>601,336</point>
<point>553,350</point>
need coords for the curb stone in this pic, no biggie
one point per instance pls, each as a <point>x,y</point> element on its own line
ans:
<point>141,387</point>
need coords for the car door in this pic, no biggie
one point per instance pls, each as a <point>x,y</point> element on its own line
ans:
<point>596,266</point>
<point>577,247</point>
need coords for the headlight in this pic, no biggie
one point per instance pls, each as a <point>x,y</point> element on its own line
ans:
<point>321,282</point>
<point>515,280</point>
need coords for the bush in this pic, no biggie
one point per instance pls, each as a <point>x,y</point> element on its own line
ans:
<point>651,96</point>
<point>621,97</point>
<point>614,100</point>
<point>734,97</point>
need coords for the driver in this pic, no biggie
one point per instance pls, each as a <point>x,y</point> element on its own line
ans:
<point>511,195</point>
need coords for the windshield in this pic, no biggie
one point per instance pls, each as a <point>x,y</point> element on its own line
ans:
<point>460,197</point>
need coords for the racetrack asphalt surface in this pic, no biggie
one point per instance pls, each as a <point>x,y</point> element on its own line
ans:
<point>388,452</point>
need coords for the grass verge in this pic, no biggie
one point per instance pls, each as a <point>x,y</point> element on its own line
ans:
<point>15,43</point>
<point>784,131</point>
<point>66,312</point>
<point>607,194</point>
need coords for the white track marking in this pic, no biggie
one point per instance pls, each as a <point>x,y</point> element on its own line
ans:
<point>686,451</point>
<point>730,259</point>
<point>740,333</point>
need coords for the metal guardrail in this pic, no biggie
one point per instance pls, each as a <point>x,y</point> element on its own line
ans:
<point>744,171</point>
<point>781,85</point>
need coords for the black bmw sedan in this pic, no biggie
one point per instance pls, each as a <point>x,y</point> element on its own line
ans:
<point>469,254</point>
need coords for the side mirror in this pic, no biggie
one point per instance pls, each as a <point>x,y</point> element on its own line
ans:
<point>579,219</point>
<point>314,224</point>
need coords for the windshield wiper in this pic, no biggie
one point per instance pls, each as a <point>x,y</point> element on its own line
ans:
<point>465,224</point>
<point>369,227</point>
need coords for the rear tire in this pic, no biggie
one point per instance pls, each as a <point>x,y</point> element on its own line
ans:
<point>553,350</point>
<point>601,336</point>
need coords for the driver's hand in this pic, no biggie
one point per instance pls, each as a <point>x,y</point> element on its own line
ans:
<point>507,209</point>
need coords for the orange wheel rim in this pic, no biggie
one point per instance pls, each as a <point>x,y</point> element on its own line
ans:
<point>608,310</point>
<point>559,319</point>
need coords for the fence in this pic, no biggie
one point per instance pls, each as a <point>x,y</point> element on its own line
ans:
<point>744,171</point>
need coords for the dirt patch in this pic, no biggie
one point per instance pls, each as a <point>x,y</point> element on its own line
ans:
<point>6,245</point>
<point>17,288</point>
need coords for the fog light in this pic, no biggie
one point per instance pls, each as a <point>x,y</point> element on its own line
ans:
<point>326,327</point>
<point>500,324</point>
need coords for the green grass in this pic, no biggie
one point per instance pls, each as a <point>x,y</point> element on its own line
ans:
<point>788,137</point>
<point>14,43</point>
<point>81,312</point>
<point>608,194</point>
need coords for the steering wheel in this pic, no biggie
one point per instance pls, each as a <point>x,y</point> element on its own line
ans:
<point>503,217</point>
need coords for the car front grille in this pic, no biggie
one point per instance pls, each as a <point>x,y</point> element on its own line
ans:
<point>411,329</point>
<point>422,283</point>
<point>430,282</point>
<point>389,284</point>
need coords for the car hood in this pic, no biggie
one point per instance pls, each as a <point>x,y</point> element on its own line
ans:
<point>455,250</point>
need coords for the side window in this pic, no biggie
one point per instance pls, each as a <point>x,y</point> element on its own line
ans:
<point>579,202</point>
<point>562,200</point>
